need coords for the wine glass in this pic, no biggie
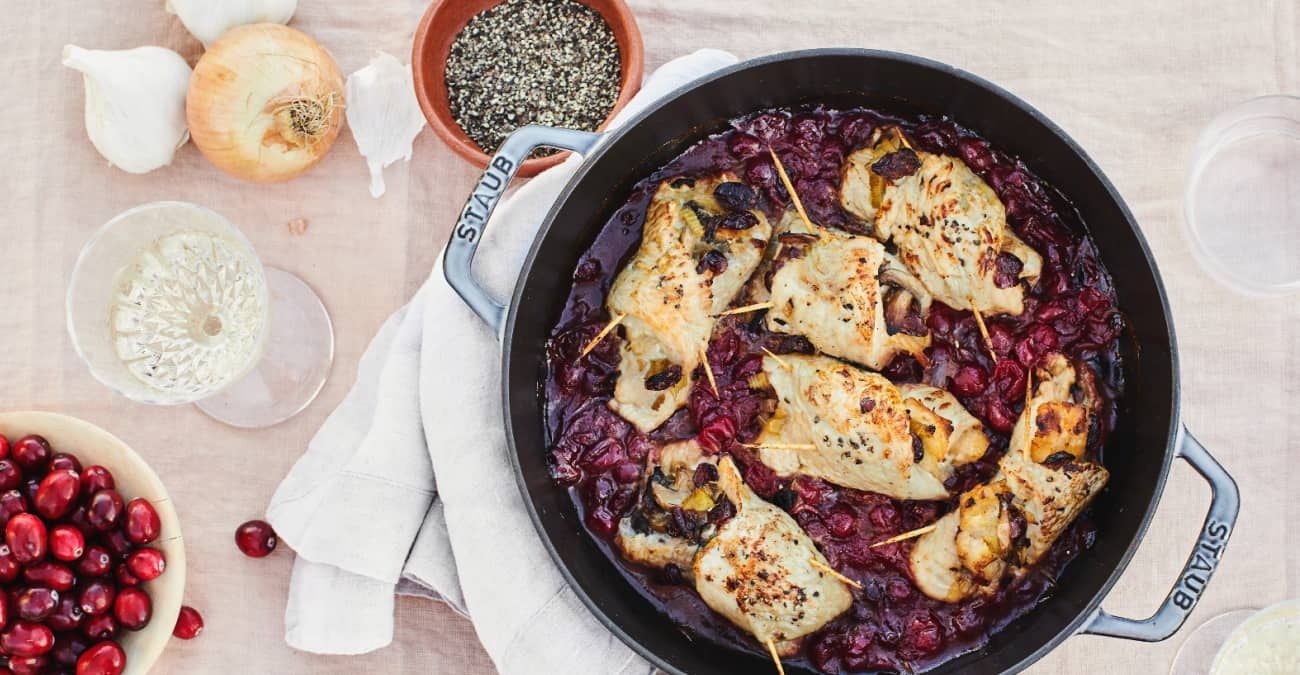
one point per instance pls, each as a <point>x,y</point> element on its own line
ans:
<point>169,304</point>
<point>1239,204</point>
<point>1255,641</point>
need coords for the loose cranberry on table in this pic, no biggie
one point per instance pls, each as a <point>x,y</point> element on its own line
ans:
<point>189,624</point>
<point>256,538</point>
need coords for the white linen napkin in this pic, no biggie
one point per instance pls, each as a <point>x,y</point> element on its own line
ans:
<point>408,488</point>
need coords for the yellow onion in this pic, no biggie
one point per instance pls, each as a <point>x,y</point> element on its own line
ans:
<point>265,103</point>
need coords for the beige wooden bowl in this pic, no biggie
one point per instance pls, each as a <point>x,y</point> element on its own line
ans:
<point>93,445</point>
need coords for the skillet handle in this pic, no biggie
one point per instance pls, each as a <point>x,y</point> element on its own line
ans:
<point>1201,565</point>
<point>478,209</point>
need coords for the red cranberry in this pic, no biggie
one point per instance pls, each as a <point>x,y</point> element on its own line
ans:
<point>67,649</point>
<point>96,598</point>
<point>125,578</point>
<point>841,524</point>
<point>96,478</point>
<point>26,537</point>
<point>27,639</point>
<point>146,564</point>
<point>116,543</point>
<point>1009,381</point>
<point>68,616</point>
<point>923,634</point>
<point>63,461</point>
<point>28,665</point>
<point>142,522</point>
<point>10,475</point>
<point>67,543</point>
<point>884,517</point>
<point>189,624</point>
<point>256,538</point>
<point>36,604</point>
<point>51,574</point>
<point>717,434</point>
<point>12,503</point>
<point>102,627</point>
<point>97,562</point>
<point>104,509</point>
<point>80,519</point>
<point>969,381</point>
<point>132,608</point>
<point>29,488</point>
<point>4,613</point>
<point>4,447</point>
<point>105,658</point>
<point>1000,416</point>
<point>9,567</point>
<point>601,520</point>
<point>32,453</point>
<point>55,495</point>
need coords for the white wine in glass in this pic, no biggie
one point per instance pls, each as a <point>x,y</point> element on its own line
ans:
<point>169,304</point>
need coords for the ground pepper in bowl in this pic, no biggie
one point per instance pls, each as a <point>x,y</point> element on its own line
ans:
<point>550,62</point>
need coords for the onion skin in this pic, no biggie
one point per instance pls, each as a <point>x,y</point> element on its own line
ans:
<point>238,106</point>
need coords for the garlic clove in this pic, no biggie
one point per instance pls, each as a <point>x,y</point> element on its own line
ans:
<point>383,114</point>
<point>135,103</point>
<point>208,20</point>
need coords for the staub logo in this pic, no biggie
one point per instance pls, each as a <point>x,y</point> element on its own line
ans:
<point>488,191</point>
<point>1204,559</point>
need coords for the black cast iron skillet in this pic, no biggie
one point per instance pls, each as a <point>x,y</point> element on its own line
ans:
<point>1139,453</point>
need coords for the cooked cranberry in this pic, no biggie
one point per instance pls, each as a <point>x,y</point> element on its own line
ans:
<point>11,477</point>
<point>256,538</point>
<point>142,522</point>
<point>969,381</point>
<point>744,146</point>
<point>67,616</point>
<point>1009,381</point>
<point>898,164</point>
<point>188,624</point>
<point>741,220</point>
<point>923,634</point>
<point>105,509</point>
<point>665,378</point>
<point>734,196</point>
<point>55,495</point>
<point>712,261</point>
<point>67,543</point>
<point>96,598</point>
<point>51,574</point>
<point>105,658</point>
<point>36,604</point>
<point>26,537</point>
<point>761,172</point>
<point>95,478</point>
<point>28,665</point>
<point>602,521</point>
<point>102,627</point>
<point>627,472</point>
<point>842,524</point>
<point>32,453</point>
<point>716,434</point>
<point>25,638</point>
<point>705,473</point>
<point>67,648</point>
<point>1000,416</point>
<point>12,503</point>
<point>97,562</point>
<point>884,517</point>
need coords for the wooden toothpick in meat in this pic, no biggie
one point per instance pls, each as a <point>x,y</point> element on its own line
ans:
<point>708,371</point>
<point>789,187</point>
<point>780,446</point>
<point>833,572</point>
<point>748,308</point>
<point>779,361</point>
<point>618,318</point>
<point>984,330</point>
<point>912,534</point>
<point>776,658</point>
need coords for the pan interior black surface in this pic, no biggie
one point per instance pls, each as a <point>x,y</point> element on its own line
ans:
<point>1139,451</point>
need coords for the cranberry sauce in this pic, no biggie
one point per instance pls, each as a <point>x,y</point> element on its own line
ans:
<point>891,625</point>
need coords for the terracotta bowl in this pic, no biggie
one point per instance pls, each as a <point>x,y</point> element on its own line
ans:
<point>134,478</point>
<point>441,24</point>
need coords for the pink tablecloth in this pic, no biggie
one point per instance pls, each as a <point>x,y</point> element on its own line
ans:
<point>1133,82</point>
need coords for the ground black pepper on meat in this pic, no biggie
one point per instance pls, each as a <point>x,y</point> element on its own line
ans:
<point>549,62</point>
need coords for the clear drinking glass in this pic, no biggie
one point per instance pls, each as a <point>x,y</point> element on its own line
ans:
<point>1244,641</point>
<point>1242,199</point>
<point>169,304</point>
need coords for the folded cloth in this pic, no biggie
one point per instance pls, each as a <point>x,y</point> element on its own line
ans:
<point>408,488</point>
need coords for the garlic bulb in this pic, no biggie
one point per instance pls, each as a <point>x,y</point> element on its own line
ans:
<point>135,103</point>
<point>208,20</point>
<point>383,114</point>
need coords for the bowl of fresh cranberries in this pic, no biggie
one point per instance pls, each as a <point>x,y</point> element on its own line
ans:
<point>92,565</point>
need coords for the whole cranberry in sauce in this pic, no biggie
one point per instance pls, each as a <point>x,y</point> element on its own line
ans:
<point>256,538</point>
<point>189,624</point>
